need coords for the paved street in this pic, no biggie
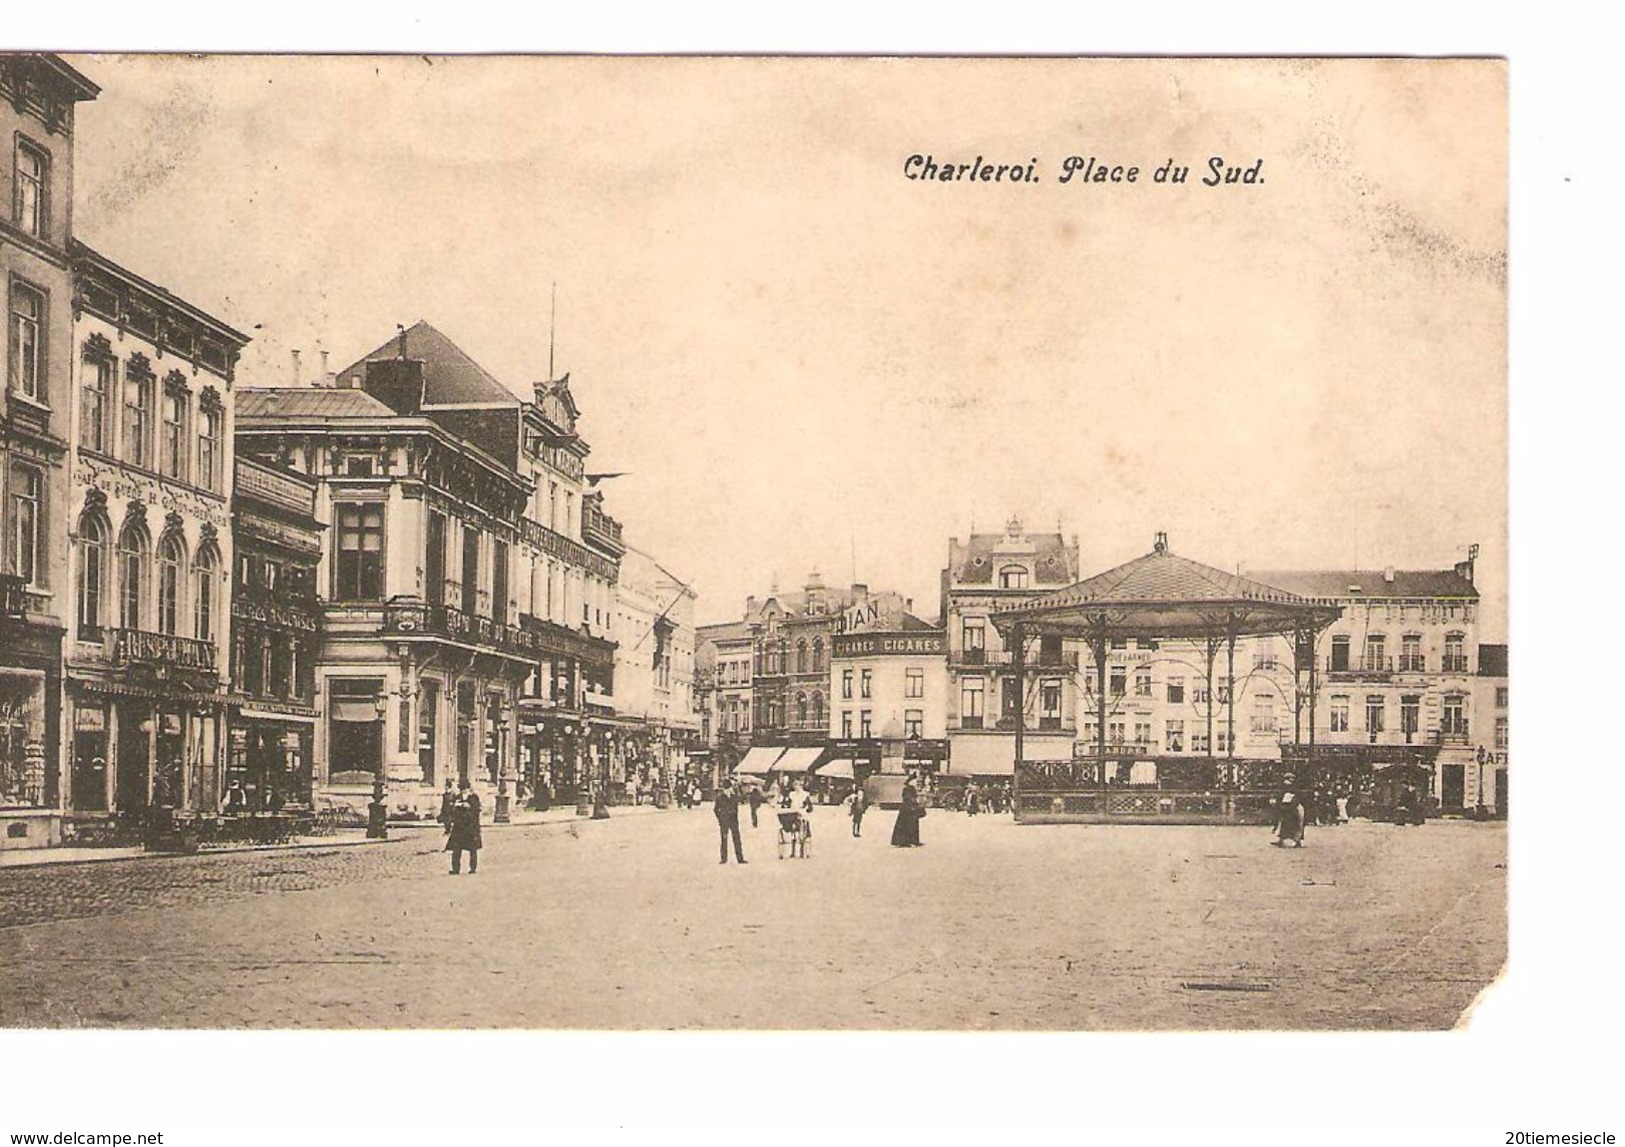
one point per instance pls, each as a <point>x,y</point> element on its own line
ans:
<point>631,923</point>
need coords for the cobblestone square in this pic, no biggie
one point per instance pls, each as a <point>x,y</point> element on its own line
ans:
<point>631,923</point>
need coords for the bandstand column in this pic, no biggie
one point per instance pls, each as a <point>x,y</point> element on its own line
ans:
<point>1018,663</point>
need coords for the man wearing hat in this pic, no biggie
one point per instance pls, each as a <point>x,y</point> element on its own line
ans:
<point>726,807</point>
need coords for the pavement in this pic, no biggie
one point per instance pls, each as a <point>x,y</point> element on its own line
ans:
<point>630,923</point>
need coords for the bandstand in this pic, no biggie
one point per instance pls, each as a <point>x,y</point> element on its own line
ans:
<point>1163,597</point>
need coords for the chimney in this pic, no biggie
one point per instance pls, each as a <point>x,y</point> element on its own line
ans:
<point>396,382</point>
<point>295,353</point>
<point>1388,575</point>
<point>326,377</point>
<point>1465,569</point>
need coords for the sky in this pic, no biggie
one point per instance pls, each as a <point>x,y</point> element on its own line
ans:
<point>804,360</point>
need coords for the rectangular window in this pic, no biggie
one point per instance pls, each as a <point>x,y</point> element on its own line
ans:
<point>1340,713</point>
<point>359,567</point>
<point>846,684</point>
<point>1410,716</point>
<point>1174,736</point>
<point>499,582</point>
<point>1176,690</point>
<point>1142,732</point>
<point>1050,701</point>
<point>1375,712</point>
<point>914,685</point>
<point>471,570</point>
<point>97,385</point>
<point>914,723</point>
<point>1501,733</point>
<point>30,200</point>
<point>1199,694</point>
<point>208,449</point>
<point>27,488</point>
<point>27,342</point>
<point>138,387</point>
<point>1340,654</point>
<point>1263,714</point>
<point>173,462</point>
<point>1119,680</point>
<point>1114,732</point>
<point>866,684</point>
<point>1199,740</point>
<point>434,559</point>
<point>1223,739</point>
<point>1142,682</point>
<point>846,723</point>
<point>865,730</point>
<point>1376,659</point>
<point>1455,654</point>
<point>1455,715</point>
<point>1410,654</point>
<point>1501,696</point>
<point>428,710</point>
<point>974,637</point>
<point>970,703</point>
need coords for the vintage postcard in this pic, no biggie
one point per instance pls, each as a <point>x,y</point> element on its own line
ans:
<point>1046,518</point>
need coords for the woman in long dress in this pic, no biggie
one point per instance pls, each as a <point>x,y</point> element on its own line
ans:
<point>1289,814</point>
<point>905,833</point>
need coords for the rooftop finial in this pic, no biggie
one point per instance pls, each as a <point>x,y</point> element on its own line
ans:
<point>1161,544</point>
<point>401,330</point>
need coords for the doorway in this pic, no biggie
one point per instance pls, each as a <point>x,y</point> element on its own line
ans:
<point>1452,788</point>
<point>131,790</point>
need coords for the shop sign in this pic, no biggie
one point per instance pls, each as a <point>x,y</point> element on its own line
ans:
<point>890,645</point>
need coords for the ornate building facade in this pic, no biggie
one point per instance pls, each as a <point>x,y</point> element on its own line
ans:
<point>146,667</point>
<point>38,99</point>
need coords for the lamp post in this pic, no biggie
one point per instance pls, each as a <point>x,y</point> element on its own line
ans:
<point>377,810</point>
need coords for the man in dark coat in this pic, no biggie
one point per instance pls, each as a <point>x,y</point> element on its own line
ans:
<point>465,831</point>
<point>447,799</point>
<point>755,799</point>
<point>726,807</point>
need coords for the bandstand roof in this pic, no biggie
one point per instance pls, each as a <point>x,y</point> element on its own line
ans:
<point>1164,595</point>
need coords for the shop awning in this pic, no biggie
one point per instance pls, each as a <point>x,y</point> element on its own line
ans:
<point>759,761</point>
<point>840,768</point>
<point>798,760</point>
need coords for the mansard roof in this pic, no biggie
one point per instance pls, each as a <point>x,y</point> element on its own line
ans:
<point>450,376</point>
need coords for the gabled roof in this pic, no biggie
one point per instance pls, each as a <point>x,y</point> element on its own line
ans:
<point>283,402</point>
<point>450,376</point>
<point>1333,585</point>
<point>908,623</point>
<point>724,631</point>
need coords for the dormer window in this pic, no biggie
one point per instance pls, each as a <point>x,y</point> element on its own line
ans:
<point>1013,577</point>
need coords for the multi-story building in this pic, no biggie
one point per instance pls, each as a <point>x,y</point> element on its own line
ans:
<point>1487,782</point>
<point>146,662</point>
<point>724,680</point>
<point>986,572</point>
<point>38,98</point>
<point>467,579</point>
<point>1396,674</point>
<point>570,551</point>
<point>791,638</point>
<point>276,621</point>
<point>654,670</point>
<point>888,683</point>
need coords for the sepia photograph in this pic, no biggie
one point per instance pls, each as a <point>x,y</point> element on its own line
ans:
<point>1047,517</point>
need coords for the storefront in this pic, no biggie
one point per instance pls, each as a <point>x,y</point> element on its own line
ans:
<point>269,753</point>
<point>30,782</point>
<point>136,748</point>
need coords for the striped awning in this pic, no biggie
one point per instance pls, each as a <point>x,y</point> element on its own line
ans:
<point>798,760</point>
<point>760,760</point>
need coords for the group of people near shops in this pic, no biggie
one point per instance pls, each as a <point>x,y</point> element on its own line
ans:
<point>795,797</point>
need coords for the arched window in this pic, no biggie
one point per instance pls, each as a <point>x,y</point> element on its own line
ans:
<point>132,573</point>
<point>801,700</point>
<point>801,657</point>
<point>818,708</point>
<point>1013,577</point>
<point>92,583</point>
<point>205,573</point>
<point>818,655</point>
<point>171,563</point>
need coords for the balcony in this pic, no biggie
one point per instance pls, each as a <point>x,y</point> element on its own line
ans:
<point>1368,666</point>
<point>455,625</point>
<point>1003,658</point>
<point>1455,664</point>
<point>1412,663</point>
<point>598,528</point>
<point>1455,735</point>
<point>138,647</point>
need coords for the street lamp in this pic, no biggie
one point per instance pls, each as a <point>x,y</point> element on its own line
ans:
<point>377,811</point>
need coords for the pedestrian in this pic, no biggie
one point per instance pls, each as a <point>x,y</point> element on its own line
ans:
<point>236,799</point>
<point>1289,814</point>
<point>905,832</point>
<point>856,805</point>
<point>1343,807</point>
<point>973,799</point>
<point>726,807</point>
<point>463,833</point>
<point>447,799</point>
<point>755,799</point>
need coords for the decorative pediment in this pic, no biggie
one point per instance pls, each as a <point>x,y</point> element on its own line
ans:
<point>139,366</point>
<point>97,347</point>
<point>95,501</point>
<point>135,514</point>
<point>207,534</point>
<point>209,399</point>
<point>174,523</point>
<point>175,381</point>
